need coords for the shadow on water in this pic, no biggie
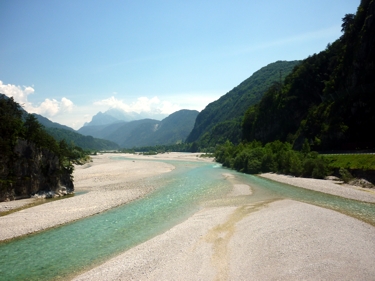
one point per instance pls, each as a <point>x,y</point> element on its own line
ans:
<point>67,250</point>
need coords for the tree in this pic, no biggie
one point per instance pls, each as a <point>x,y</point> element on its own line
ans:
<point>32,129</point>
<point>347,21</point>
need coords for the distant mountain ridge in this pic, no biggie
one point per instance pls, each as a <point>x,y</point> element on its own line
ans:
<point>116,115</point>
<point>146,132</point>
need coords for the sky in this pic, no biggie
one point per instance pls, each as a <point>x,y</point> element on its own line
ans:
<point>68,60</point>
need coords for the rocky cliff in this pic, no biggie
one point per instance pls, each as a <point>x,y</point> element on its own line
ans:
<point>31,170</point>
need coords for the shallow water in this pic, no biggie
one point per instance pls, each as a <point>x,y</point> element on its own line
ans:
<point>67,250</point>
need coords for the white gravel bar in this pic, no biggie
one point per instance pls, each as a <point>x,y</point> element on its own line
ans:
<point>326,186</point>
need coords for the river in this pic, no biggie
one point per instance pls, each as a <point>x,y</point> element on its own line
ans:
<point>70,249</point>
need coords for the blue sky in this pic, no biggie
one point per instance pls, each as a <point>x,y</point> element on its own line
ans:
<point>67,60</point>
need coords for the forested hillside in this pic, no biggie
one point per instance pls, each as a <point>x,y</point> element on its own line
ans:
<point>329,98</point>
<point>221,119</point>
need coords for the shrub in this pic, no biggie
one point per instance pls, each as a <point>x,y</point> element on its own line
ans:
<point>346,176</point>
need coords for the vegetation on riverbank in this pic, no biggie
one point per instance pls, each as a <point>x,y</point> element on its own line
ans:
<point>277,157</point>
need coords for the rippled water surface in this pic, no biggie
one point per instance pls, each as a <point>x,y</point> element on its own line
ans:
<point>62,251</point>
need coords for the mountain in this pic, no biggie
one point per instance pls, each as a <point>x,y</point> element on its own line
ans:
<point>135,133</point>
<point>176,127</point>
<point>116,115</point>
<point>62,132</point>
<point>329,98</point>
<point>102,119</point>
<point>85,142</point>
<point>101,131</point>
<point>221,119</point>
<point>146,132</point>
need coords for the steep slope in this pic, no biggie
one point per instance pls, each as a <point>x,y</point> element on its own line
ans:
<point>329,98</point>
<point>175,128</point>
<point>224,116</point>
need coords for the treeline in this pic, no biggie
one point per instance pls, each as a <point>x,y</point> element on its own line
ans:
<point>179,147</point>
<point>277,157</point>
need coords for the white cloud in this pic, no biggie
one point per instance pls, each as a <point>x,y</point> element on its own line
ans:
<point>48,108</point>
<point>66,105</point>
<point>142,104</point>
<point>17,92</point>
<point>168,107</point>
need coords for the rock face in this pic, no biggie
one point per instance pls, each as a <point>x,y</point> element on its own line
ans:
<point>33,171</point>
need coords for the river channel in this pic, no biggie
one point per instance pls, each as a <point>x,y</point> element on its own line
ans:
<point>70,249</point>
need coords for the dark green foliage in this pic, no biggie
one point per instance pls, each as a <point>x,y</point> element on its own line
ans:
<point>346,176</point>
<point>277,157</point>
<point>329,97</point>
<point>23,143</point>
<point>11,126</point>
<point>221,120</point>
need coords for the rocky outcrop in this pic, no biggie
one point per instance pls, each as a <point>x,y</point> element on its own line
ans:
<point>30,171</point>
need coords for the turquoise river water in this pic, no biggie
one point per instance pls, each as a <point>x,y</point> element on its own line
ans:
<point>64,251</point>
